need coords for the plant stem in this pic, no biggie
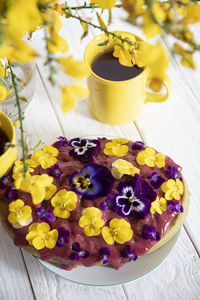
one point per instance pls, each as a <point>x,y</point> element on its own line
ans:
<point>123,40</point>
<point>89,7</point>
<point>20,115</point>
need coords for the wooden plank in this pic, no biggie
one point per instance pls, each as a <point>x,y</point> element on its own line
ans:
<point>14,282</point>
<point>177,278</point>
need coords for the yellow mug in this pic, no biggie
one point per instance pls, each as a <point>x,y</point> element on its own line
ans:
<point>8,158</point>
<point>118,102</point>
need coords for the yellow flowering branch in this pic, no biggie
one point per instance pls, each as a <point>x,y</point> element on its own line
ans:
<point>20,118</point>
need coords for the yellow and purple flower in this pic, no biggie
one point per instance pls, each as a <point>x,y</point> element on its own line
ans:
<point>62,142</point>
<point>45,215</point>
<point>78,252</point>
<point>129,253</point>
<point>92,181</point>
<point>109,203</point>
<point>11,193</point>
<point>104,253</point>
<point>5,181</point>
<point>138,145</point>
<point>134,198</point>
<point>149,233</point>
<point>174,206</point>
<point>156,180</point>
<point>173,172</point>
<point>84,149</point>
<point>54,171</point>
<point>63,237</point>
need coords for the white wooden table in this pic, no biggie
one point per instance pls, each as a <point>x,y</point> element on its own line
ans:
<point>172,127</point>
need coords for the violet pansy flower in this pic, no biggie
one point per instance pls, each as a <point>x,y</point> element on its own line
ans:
<point>173,172</point>
<point>149,233</point>
<point>138,145</point>
<point>45,215</point>
<point>92,181</point>
<point>11,193</point>
<point>134,198</point>
<point>109,203</point>
<point>156,180</point>
<point>54,171</point>
<point>62,142</point>
<point>78,252</point>
<point>174,206</point>
<point>63,236</point>
<point>84,149</point>
<point>5,181</point>
<point>129,253</point>
<point>103,254</point>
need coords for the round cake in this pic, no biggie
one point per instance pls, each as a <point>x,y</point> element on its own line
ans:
<point>93,201</point>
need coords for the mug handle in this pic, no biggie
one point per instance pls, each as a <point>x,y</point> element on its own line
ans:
<point>151,97</point>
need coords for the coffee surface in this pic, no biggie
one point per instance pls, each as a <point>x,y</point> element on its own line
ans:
<point>3,140</point>
<point>106,66</point>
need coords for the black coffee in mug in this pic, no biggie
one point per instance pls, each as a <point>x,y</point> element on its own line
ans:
<point>3,140</point>
<point>106,66</point>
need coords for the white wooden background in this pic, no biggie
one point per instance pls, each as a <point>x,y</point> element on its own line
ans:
<point>172,127</point>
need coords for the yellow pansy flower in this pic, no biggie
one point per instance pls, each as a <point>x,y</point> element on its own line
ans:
<point>91,221</point>
<point>172,189</point>
<point>63,202</point>
<point>150,158</point>
<point>50,191</point>
<point>75,69</point>
<point>19,214</point>
<point>116,147</point>
<point>45,157</point>
<point>40,236</point>
<point>4,93</point>
<point>119,231</point>
<point>121,167</point>
<point>104,3</point>
<point>159,205</point>
<point>70,93</point>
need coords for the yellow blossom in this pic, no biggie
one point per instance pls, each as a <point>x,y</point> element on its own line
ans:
<point>116,147</point>
<point>91,221</point>
<point>63,202</point>
<point>4,93</point>
<point>50,191</point>
<point>75,69</point>
<point>119,231</point>
<point>20,47</point>
<point>104,3</point>
<point>159,205</point>
<point>57,44</point>
<point>70,93</point>
<point>150,28</point>
<point>126,58</point>
<point>150,158</point>
<point>186,56</point>
<point>122,167</point>
<point>158,12</point>
<point>45,157</point>
<point>19,214</point>
<point>3,71</point>
<point>172,189</point>
<point>40,236</point>
<point>16,123</point>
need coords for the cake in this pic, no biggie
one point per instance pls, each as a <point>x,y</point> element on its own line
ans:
<point>93,202</point>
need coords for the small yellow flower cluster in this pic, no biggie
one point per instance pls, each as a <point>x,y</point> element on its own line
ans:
<point>116,147</point>
<point>172,189</point>
<point>122,167</point>
<point>150,158</point>
<point>45,157</point>
<point>40,236</point>
<point>19,214</point>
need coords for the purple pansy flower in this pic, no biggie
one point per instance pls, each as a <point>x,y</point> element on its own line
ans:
<point>54,171</point>
<point>63,236</point>
<point>78,252</point>
<point>11,193</point>
<point>149,233</point>
<point>156,180</point>
<point>45,215</point>
<point>61,143</point>
<point>128,253</point>
<point>4,181</point>
<point>109,203</point>
<point>173,172</point>
<point>103,254</point>
<point>84,149</point>
<point>92,181</point>
<point>134,198</point>
<point>138,145</point>
<point>174,206</point>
